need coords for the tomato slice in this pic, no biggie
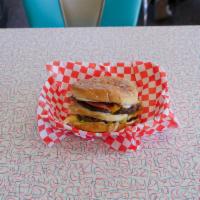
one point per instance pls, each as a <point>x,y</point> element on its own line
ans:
<point>99,105</point>
<point>106,106</point>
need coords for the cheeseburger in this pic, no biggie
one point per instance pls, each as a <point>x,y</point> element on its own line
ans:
<point>103,104</point>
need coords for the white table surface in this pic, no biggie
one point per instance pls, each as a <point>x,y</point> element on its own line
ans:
<point>166,167</point>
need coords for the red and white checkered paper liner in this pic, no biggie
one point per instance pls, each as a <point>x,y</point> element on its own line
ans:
<point>152,86</point>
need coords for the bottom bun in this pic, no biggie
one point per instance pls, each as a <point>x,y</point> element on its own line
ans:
<point>98,127</point>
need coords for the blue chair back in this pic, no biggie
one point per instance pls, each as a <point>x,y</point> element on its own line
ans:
<point>43,13</point>
<point>120,12</point>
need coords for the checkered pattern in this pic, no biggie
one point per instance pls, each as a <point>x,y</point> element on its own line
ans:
<point>153,93</point>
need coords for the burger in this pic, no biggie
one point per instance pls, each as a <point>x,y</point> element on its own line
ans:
<point>103,104</point>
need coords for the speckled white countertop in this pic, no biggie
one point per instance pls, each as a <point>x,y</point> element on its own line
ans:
<point>166,167</point>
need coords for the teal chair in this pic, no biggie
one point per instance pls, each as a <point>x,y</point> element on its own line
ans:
<point>43,13</point>
<point>120,12</point>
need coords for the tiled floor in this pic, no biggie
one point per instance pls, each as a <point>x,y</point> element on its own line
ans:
<point>186,12</point>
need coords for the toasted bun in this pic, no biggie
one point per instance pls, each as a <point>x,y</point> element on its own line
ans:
<point>97,127</point>
<point>80,110</point>
<point>106,89</point>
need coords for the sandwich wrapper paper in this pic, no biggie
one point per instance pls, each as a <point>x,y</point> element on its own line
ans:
<point>152,88</point>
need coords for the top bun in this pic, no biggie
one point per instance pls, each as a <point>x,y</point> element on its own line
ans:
<point>106,89</point>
